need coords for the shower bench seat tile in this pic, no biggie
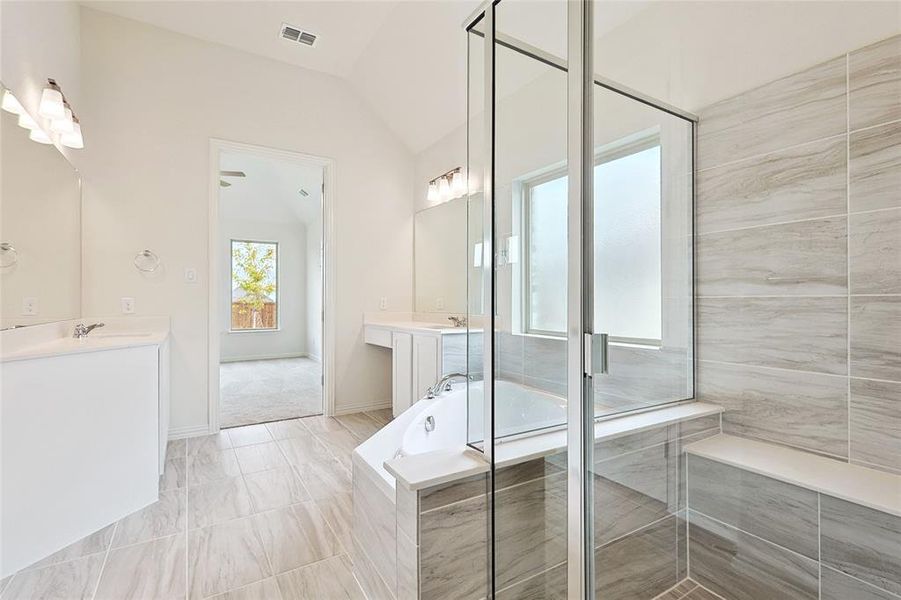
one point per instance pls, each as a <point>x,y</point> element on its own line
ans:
<point>874,489</point>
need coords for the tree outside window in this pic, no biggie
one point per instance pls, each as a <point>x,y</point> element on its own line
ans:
<point>254,276</point>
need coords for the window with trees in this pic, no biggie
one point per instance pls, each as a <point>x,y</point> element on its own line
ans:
<point>254,285</point>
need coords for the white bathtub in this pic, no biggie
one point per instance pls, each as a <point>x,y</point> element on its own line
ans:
<point>518,409</point>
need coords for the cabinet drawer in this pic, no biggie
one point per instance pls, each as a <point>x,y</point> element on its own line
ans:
<point>377,336</point>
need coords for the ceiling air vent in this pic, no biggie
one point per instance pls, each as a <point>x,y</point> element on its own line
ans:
<point>297,35</point>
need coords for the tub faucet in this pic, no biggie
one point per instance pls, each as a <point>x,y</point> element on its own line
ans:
<point>445,383</point>
<point>458,321</point>
<point>82,330</point>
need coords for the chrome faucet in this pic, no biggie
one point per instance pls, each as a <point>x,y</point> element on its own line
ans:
<point>82,330</point>
<point>445,384</point>
<point>458,321</point>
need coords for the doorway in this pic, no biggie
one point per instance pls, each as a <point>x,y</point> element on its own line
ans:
<point>268,296</point>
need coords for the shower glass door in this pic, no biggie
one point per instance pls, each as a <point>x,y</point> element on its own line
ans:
<point>583,295</point>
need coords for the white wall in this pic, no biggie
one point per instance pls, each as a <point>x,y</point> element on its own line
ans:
<point>154,99</point>
<point>290,339</point>
<point>314,289</point>
<point>40,40</point>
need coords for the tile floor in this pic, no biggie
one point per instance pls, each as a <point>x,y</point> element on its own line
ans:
<point>259,391</point>
<point>261,512</point>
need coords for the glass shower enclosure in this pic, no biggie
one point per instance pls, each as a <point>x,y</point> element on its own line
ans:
<point>580,298</point>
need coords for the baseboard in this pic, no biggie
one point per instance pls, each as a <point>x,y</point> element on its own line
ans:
<point>263,357</point>
<point>178,433</point>
<point>346,410</point>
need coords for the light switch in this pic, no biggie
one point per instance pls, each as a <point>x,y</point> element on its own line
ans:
<point>383,303</point>
<point>439,303</point>
<point>29,306</point>
<point>190,275</point>
<point>128,306</point>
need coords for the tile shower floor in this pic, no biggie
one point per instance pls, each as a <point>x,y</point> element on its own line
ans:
<point>261,512</point>
<point>259,391</point>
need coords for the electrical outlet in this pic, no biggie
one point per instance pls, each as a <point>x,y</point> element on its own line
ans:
<point>29,306</point>
<point>383,303</point>
<point>190,275</point>
<point>128,306</point>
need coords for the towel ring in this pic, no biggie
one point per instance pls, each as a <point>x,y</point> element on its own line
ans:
<point>146,261</point>
<point>8,255</point>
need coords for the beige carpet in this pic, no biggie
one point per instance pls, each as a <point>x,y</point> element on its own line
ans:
<point>259,391</point>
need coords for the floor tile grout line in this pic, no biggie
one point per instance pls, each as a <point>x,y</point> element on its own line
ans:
<point>105,560</point>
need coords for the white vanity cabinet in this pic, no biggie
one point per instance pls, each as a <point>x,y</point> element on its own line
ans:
<point>84,426</point>
<point>420,354</point>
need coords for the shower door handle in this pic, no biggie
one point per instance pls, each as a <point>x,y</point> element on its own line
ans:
<point>596,346</point>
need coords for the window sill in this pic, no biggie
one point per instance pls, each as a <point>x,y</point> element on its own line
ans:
<point>243,331</point>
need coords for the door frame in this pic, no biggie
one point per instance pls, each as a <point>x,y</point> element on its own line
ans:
<point>216,147</point>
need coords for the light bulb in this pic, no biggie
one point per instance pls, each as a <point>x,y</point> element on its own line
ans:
<point>73,139</point>
<point>443,189</point>
<point>26,121</point>
<point>11,104</point>
<point>433,192</point>
<point>64,125</point>
<point>37,135</point>
<point>52,106</point>
<point>457,186</point>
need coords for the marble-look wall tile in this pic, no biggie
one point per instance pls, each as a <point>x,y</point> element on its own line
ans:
<point>861,542</point>
<point>530,531</point>
<point>523,472</point>
<point>545,358</point>
<point>549,585</point>
<point>807,334</point>
<point>876,422</point>
<point>875,168</point>
<point>799,108</point>
<point>875,252</point>
<point>808,410</point>
<point>838,586</point>
<point>743,567</point>
<point>368,576</point>
<point>407,512</point>
<point>803,182</point>
<point>803,258</point>
<point>640,565</point>
<point>453,353</point>
<point>619,510</point>
<point>374,526</point>
<point>775,511</point>
<point>508,355</point>
<point>874,77</point>
<point>875,331</point>
<point>441,495</point>
<point>453,551</point>
<point>407,568</point>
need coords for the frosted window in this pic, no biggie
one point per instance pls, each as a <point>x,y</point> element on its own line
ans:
<point>627,271</point>
<point>547,256</point>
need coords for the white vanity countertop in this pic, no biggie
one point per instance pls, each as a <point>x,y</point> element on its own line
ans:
<point>410,323</point>
<point>55,339</point>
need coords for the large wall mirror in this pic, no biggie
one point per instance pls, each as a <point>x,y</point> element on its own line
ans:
<point>439,256</point>
<point>40,230</point>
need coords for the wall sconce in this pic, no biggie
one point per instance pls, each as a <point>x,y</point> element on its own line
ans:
<point>53,107</point>
<point>447,186</point>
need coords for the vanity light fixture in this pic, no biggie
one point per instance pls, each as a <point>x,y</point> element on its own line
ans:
<point>73,139</point>
<point>63,125</point>
<point>447,186</point>
<point>52,105</point>
<point>38,135</point>
<point>11,104</point>
<point>26,122</point>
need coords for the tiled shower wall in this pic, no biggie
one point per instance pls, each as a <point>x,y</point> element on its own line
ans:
<point>799,258</point>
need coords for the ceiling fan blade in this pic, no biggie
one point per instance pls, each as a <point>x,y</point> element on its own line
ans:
<point>223,183</point>
<point>232,174</point>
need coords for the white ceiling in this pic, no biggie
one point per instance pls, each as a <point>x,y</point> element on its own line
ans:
<point>271,190</point>
<point>406,58</point>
